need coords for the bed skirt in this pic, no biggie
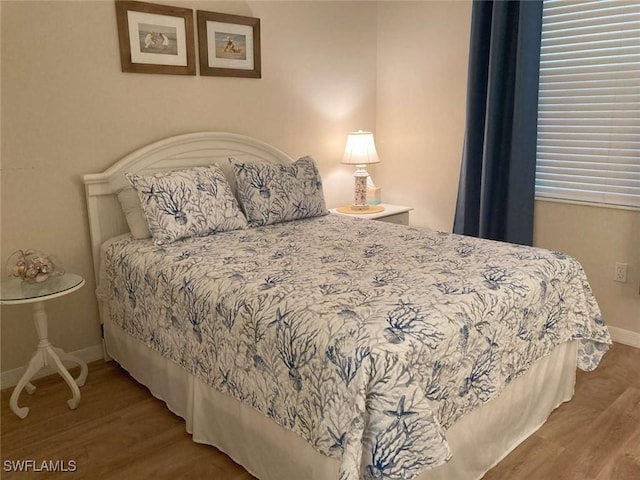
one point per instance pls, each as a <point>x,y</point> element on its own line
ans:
<point>478,441</point>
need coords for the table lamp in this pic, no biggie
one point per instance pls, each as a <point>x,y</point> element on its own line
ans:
<point>360,151</point>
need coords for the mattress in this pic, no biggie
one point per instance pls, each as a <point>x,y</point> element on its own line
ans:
<point>367,340</point>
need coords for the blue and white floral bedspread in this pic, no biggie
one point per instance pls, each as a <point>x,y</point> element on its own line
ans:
<point>367,339</point>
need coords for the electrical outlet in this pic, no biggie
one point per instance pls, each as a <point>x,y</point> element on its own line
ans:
<point>620,272</point>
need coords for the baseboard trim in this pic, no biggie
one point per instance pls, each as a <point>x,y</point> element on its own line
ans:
<point>626,337</point>
<point>10,378</point>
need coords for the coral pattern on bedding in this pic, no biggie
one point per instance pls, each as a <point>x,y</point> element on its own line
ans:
<point>367,339</point>
<point>185,203</point>
<point>272,193</point>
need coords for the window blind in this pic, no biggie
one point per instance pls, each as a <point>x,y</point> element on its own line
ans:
<point>589,102</point>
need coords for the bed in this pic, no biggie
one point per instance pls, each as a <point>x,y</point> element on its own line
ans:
<point>326,347</point>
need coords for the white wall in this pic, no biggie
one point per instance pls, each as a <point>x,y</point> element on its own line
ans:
<point>67,109</point>
<point>423,50</point>
<point>598,237</point>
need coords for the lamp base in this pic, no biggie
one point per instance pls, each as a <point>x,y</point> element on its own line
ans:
<point>360,209</point>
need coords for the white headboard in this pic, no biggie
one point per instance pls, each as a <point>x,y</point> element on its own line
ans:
<point>106,219</point>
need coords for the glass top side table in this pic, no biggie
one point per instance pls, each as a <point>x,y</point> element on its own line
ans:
<point>13,292</point>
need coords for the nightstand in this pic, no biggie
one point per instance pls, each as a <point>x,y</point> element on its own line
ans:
<point>391,214</point>
<point>14,292</point>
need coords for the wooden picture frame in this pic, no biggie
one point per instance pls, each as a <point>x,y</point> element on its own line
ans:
<point>229,45</point>
<point>155,38</point>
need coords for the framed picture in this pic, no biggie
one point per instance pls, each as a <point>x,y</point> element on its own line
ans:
<point>155,38</point>
<point>229,45</point>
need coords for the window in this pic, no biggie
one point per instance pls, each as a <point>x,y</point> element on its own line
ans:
<point>589,102</point>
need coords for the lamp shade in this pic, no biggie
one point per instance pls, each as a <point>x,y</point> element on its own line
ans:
<point>360,149</point>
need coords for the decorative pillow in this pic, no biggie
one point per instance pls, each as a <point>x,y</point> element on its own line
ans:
<point>186,203</point>
<point>272,193</point>
<point>132,208</point>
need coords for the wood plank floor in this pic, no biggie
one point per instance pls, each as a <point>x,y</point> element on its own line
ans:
<point>120,431</point>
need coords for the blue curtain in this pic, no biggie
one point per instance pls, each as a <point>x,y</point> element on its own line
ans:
<point>497,180</point>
